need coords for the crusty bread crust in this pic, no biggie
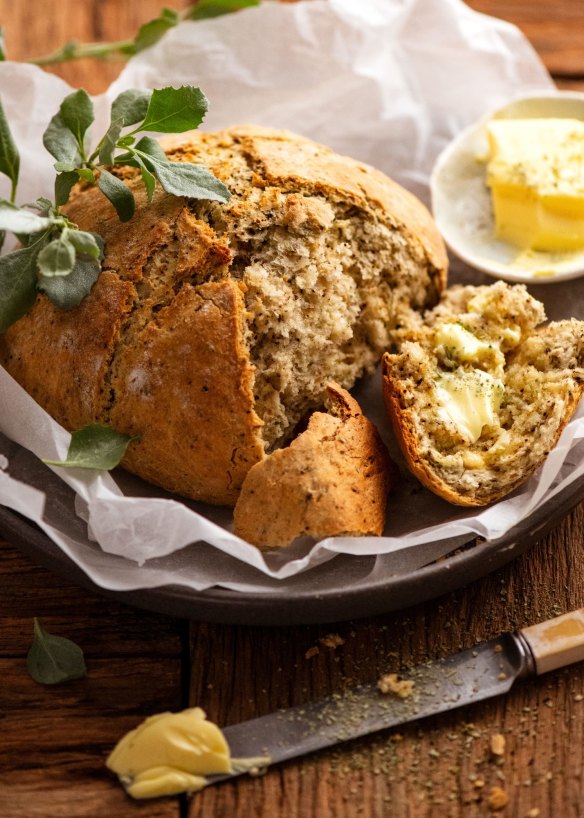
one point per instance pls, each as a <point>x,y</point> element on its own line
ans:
<point>162,346</point>
<point>332,480</point>
<point>554,353</point>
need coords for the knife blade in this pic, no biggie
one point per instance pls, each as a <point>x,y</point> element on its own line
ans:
<point>487,670</point>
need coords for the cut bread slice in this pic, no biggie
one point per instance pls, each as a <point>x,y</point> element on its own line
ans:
<point>479,393</point>
<point>333,479</point>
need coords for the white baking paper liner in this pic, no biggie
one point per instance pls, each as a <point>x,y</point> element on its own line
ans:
<point>389,82</point>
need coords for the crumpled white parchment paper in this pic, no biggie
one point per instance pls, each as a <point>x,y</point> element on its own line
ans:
<point>389,82</point>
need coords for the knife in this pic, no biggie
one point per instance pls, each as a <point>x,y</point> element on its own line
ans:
<point>490,669</point>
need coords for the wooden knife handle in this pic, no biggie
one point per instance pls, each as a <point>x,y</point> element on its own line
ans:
<point>558,642</point>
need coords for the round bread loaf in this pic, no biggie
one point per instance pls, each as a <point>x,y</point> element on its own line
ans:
<point>213,328</point>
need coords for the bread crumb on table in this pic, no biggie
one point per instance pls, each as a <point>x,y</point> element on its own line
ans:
<point>391,683</point>
<point>314,651</point>
<point>533,813</point>
<point>332,640</point>
<point>497,744</point>
<point>497,799</point>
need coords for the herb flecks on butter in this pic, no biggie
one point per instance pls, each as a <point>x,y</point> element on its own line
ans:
<point>171,753</point>
<point>536,176</point>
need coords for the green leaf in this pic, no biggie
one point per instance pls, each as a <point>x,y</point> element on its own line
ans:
<point>131,106</point>
<point>151,32</point>
<point>148,178</point>
<point>95,447</point>
<point>17,220</point>
<point>9,155</point>
<point>44,206</point>
<point>193,181</point>
<point>174,110</point>
<point>152,148</point>
<point>215,8</point>
<point>86,175</point>
<point>2,45</point>
<point>18,277</point>
<point>54,659</point>
<point>90,244</point>
<point>64,183</point>
<point>56,258</point>
<point>127,109</point>
<point>118,193</point>
<point>60,142</point>
<point>69,291</point>
<point>77,114</point>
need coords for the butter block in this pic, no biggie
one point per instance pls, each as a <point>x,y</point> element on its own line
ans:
<point>470,400</point>
<point>536,175</point>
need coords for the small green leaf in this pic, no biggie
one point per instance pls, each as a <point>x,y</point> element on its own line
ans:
<point>64,167</point>
<point>215,8</point>
<point>2,45</point>
<point>95,447</point>
<point>18,277</point>
<point>130,106</point>
<point>44,206</point>
<point>64,183</point>
<point>152,148</point>
<point>90,244</point>
<point>54,659</point>
<point>86,175</point>
<point>9,155</point>
<point>17,220</point>
<point>60,142</point>
<point>151,32</point>
<point>77,114</point>
<point>148,178</point>
<point>127,109</point>
<point>193,181</point>
<point>118,193</point>
<point>56,258</point>
<point>174,110</point>
<point>69,291</point>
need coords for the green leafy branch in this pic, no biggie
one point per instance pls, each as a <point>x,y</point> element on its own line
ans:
<point>57,258</point>
<point>148,34</point>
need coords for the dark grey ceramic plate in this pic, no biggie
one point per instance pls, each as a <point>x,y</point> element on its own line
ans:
<point>365,596</point>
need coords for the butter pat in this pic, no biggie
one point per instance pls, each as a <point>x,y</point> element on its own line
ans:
<point>453,342</point>
<point>536,176</point>
<point>170,753</point>
<point>470,400</point>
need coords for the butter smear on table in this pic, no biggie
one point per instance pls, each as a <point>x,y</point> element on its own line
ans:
<point>170,753</point>
<point>536,175</point>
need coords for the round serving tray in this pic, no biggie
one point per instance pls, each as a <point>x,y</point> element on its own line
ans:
<point>352,598</point>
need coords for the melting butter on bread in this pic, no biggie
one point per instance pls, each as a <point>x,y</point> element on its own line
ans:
<point>480,390</point>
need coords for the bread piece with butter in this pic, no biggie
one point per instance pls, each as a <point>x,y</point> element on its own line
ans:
<point>213,328</point>
<point>479,393</point>
<point>332,480</point>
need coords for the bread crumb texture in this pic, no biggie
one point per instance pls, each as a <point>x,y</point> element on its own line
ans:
<point>390,683</point>
<point>214,328</point>
<point>332,480</point>
<point>481,389</point>
<point>498,799</point>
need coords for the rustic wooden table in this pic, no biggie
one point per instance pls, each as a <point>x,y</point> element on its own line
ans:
<point>53,741</point>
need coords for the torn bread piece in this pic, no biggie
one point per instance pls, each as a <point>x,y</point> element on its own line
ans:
<point>479,393</point>
<point>333,479</point>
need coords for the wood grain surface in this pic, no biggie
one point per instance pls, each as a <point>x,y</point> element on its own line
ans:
<point>53,741</point>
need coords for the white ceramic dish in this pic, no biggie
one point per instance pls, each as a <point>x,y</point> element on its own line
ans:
<point>461,201</point>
